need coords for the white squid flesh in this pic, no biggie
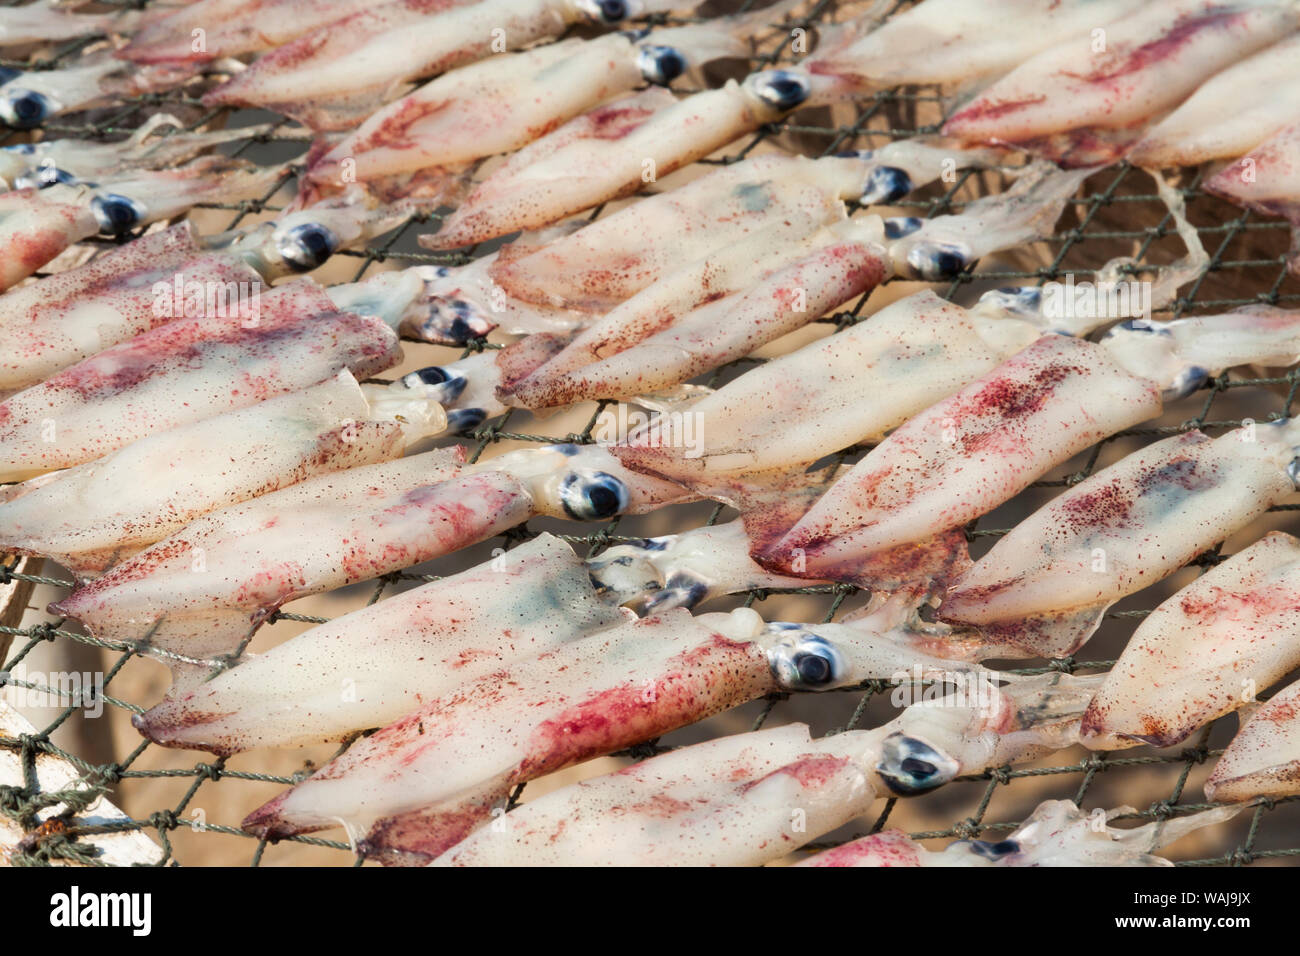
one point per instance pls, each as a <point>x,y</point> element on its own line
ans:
<point>1263,760</point>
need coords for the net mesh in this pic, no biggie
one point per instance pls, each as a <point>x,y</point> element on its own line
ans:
<point>1118,214</point>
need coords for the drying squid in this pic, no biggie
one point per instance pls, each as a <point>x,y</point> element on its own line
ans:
<point>1263,760</point>
<point>159,143</point>
<point>560,282</point>
<point>1204,651</point>
<point>1088,99</point>
<point>1057,833</point>
<point>44,22</point>
<point>212,29</point>
<point>279,340</point>
<point>1267,180</point>
<point>950,41</point>
<point>64,318</point>
<point>368,668</point>
<point>335,76</point>
<point>613,151</point>
<point>498,105</point>
<point>37,224</point>
<point>749,799</point>
<point>1231,113</point>
<point>90,516</point>
<point>30,98</point>
<point>642,346</point>
<point>417,786</point>
<point>897,518</point>
<point>1046,584</point>
<point>362,523</point>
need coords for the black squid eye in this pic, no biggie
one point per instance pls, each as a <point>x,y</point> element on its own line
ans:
<point>813,668</point>
<point>1188,380</point>
<point>993,851</point>
<point>911,766</point>
<point>305,247</point>
<point>116,214</point>
<point>660,65</point>
<point>782,90</point>
<point>935,261</point>
<point>49,175</point>
<point>884,185</point>
<point>610,11</point>
<point>899,226</point>
<point>1293,472</point>
<point>460,419</point>
<point>25,109</point>
<point>453,322</point>
<point>446,386</point>
<point>593,495</point>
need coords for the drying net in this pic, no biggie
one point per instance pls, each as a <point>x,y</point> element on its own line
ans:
<point>191,804</point>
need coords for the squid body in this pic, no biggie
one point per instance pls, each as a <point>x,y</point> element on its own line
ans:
<point>90,516</point>
<point>751,798</point>
<point>1263,760</point>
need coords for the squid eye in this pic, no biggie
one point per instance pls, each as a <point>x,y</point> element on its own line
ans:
<point>900,226</point>
<point>911,766</point>
<point>453,322</point>
<point>593,495</point>
<point>49,175</point>
<point>660,65</point>
<point>1188,380</point>
<point>305,247</point>
<point>993,851</point>
<point>855,153</point>
<point>935,261</point>
<point>443,385</point>
<point>25,109</point>
<point>460,419</point>
<point>805,661</point>
<point>885,184</point>
<point>1293,472</point>
<point>607,11</point>
<point>1141,325</point>
<point>116,214</point>
<point>782,90</point>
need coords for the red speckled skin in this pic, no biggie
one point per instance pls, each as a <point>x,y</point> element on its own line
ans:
<point>1263,760</point>
<point>186,370</point>
<point>890,848</point>
<point>231,28</point>
<point>1078,105</point>
<point>719,332</point>
<point>895,519</point>
<point>1196,656</point>
<point>421,43</point>
<point>40,321</point>
<point>49,226</point>
<point>613,689</point>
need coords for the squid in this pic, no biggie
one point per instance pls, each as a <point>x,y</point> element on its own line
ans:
<point>644,346</point>
<point>335,76</point>
<point>1202,653</point>
<point>612,151</point>
<point>159,143</point>
<point>1078,106</point>
<point>897,519</point>
<point>90,516</point>
<point>368,668</point>
<point>949,41</point>
<point>37,224</point>
<point>44,22</point>
<point>419,785</point>
<point>1045,586</point>
<point>277,341</point>
<point>750,799</point>
<point>1263,760</point>
<point>562,281</point>
<point>28,99</point>
<point>362,523</point>
<point>1268,181</point>
<point>1230,113</point>
<point>1057,833</point>
<point>507,101</point>
<point>65,318</point>
<point>214,29</point>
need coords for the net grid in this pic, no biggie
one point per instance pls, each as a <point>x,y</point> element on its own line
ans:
<point>56,839</point>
